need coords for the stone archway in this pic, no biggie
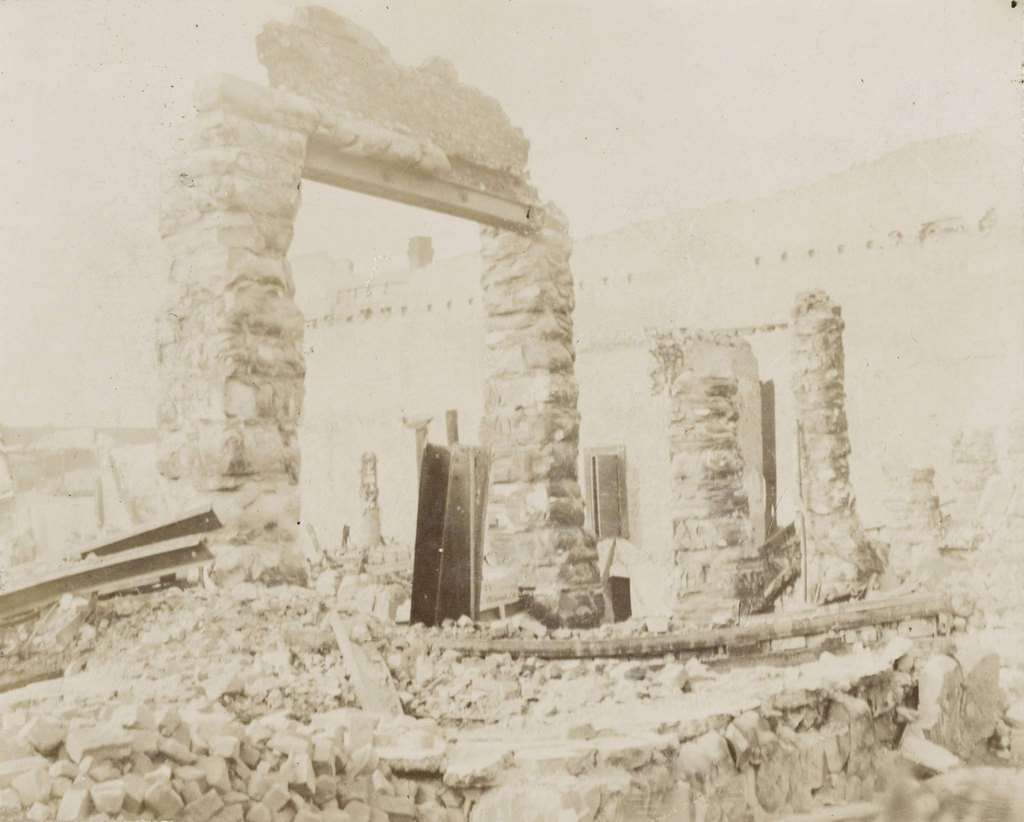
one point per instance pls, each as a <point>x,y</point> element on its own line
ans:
<point>340,111</point>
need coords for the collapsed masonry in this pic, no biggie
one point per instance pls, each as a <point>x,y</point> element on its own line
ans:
<point>840,560</point>
<point>341,111</point>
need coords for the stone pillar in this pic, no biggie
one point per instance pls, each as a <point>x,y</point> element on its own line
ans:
<point>230,350</point>
<point>369,536</point>
<point>535,512</point>
<point>711,525</point>
<point>974,463</point>
<point>914,530</point>
<point>840,559</point>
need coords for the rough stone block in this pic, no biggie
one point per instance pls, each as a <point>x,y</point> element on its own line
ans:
<point>108,797</point>
<point>76,805</point>
<point>164,801</point>
<point>32,786</point>
<point>205,807</point>
<point>258,812</point>
<point>276,797</point>
<point>44,735</point>
<point>13,768</point>
<point>99,742</point>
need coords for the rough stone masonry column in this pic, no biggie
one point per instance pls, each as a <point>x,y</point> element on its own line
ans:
<point>711,526</point>
<point>535,512</point>
<point>231,363</point>
<point>914,529</point>
<point>975,461</point>
<point>840,559</point>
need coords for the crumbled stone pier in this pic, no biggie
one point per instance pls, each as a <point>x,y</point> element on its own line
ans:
<point>535,513</point>
<point>230,358</point>
<point>975,462</point>
<point>840,559</point>
<point>915,529</point>
<point>711,512</point>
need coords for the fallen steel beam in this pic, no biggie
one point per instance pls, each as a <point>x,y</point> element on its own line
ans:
<point>123,570</point>
<point>326,164</point>
<point>194,521</point>
<point>755,632</point>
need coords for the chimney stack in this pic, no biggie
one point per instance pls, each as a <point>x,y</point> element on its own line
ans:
<point>421,252</point>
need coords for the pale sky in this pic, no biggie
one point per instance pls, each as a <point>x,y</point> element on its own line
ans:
<point>633,109</point>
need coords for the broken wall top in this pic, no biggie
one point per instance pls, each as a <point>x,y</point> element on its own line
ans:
<point>346,71</point>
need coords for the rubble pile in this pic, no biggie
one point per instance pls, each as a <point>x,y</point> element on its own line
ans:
<point>974,463</point>
<point>652,736</point>
<point>992,794</point>
<point>841,560</point>
<point>915,526</point>
<point>235,704</point>
<point>711,525</point>
<point>202,764</point>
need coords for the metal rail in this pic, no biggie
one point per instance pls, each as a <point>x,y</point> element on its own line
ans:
<point>194,521</point>
<point>126,569</point>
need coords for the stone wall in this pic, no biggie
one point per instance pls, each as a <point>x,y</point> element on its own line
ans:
<point>230,347</point>
<point>840,559</point>
<point>535,511</point>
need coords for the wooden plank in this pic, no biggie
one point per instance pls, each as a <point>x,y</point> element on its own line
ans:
<point>326,164</point>
<point>451,422</point>
<point>857,812</point>
<point>126,569</point>
<point>426,569</point>
<point>846,617</point>
<point>762,579</point>
<point>367,670</point>
<point>480,483</point>
<point>194,521</point>
<point>769,467</point>
<point>13,681</point>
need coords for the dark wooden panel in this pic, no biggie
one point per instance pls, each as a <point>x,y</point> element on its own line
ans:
<point>608,495</point>
<point>771,482</point>
<point>481,466</point>
<point>607,503</point>
<point>622,605</point>
<point>454,593</point>
<point>430,517</point>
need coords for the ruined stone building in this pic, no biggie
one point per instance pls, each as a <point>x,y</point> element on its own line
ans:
<point>921,361</point>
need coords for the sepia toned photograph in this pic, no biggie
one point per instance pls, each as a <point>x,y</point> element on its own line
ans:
<point>511,411</point>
